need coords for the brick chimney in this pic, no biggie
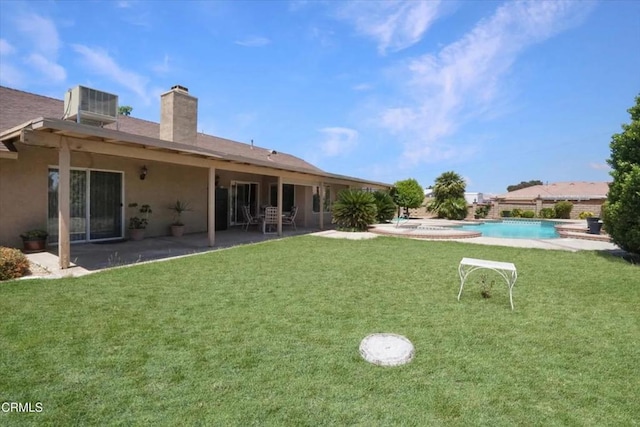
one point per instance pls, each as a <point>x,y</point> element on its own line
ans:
<point>179,116</point>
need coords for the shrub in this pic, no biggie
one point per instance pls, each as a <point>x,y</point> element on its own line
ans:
<point>354,210</point>
<point>622,218</point>
<point>386,209</point>
<point>547,213</point>
<point>482,211</point>
<point>585,215</point>
<point>516,213</point>
<point>528,214</point>
<point>563,209</point>
<point>13,264</point>
<point>505,214</point>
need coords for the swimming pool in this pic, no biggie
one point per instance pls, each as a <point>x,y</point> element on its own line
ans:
<point>516,229</point>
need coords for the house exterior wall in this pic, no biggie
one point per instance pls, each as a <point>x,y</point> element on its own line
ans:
<point>23,194</point>
<point>24,190</point>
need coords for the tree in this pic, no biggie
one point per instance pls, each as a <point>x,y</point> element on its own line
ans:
<point>448,197</point>
<point>622,209</point>
<point>407,194</point>
<point>524,184</point>
<point>125,110</point>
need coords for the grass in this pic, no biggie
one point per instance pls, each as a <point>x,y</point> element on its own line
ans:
<point>268,334</point>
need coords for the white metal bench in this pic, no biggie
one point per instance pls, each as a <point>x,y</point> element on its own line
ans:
<point>506,270</point>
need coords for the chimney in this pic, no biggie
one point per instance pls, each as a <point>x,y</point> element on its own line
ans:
<point>179,116</point>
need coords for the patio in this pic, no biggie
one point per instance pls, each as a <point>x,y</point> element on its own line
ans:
<point>89,257</point>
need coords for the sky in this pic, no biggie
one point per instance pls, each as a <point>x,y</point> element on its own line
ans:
<point>498,91</point>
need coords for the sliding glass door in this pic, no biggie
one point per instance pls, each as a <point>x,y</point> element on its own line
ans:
<point>243,194</point>
<point>95,205</point>
<point>105,207</point>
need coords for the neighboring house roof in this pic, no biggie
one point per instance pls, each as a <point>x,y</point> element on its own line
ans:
<point>579,190</point>
<point>18,108</point>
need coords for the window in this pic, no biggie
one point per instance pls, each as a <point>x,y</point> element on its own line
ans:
<point>288,196</point>
<point>327,200</point>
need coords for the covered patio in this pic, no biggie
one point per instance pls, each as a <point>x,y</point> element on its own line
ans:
<point>91,257</point>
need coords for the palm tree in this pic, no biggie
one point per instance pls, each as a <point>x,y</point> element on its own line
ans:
<point>448,193</point>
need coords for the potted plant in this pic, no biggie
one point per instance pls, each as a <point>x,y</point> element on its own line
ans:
<point>34,240</point>
<point>179,207</point>
<point>137,224</point>
<point>594,224</point>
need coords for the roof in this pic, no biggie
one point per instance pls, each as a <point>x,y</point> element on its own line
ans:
<point>579,190</point>
<point>19,108</point>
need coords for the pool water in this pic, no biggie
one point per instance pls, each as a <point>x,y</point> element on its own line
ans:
<point>516,229</point>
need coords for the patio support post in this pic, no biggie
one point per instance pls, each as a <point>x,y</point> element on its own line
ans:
<point>321,191</point>
<point>211,212</point>
<point>64,200</point>
<point>279,205</point>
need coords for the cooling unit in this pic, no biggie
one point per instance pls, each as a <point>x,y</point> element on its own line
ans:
<point>90,106</point>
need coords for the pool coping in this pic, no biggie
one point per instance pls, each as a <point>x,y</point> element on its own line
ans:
<point>572,233</point>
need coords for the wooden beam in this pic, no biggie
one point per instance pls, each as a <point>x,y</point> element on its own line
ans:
<point>321,205</point>
<point>211,212</point>
<point>8,155</point>
<point>279,206</point>
<point>47,139</point>
<point>64,201</point>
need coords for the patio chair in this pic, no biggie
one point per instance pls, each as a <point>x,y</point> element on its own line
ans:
<point>270,220</point>
<point>248,218</point>
<point>291,218</point>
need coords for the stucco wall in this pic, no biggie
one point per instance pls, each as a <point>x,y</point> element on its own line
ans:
<point>23,190</point>
<point>594,206</point>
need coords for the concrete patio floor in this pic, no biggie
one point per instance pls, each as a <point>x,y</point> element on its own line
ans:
<point>90,257</point>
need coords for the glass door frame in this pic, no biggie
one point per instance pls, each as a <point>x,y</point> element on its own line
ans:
<point>233,195</point>
<point>87,202</point>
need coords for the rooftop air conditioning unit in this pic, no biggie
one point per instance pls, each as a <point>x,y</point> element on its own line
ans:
<point>90,106</point>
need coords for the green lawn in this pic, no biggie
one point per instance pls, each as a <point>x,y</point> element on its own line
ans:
<point>268,334</point>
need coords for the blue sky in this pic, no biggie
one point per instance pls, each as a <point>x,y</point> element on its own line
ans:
<point>500,92</point>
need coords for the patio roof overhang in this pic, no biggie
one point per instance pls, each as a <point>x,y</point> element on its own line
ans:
<point>48,132</point>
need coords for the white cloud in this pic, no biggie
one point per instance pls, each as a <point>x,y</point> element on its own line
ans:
<point>394,25</point>
<point>41,32</point>
<point>362,87</point>
<point>99,62</point>
<point>338,141</point>
<point>44,42</point>
<point>599,166</point>
<point>46,67</point>
<point>162,67</point>
<point>463,80</point>
<point>6,48</point>
<point>253,42</point>
<point>10,75</point>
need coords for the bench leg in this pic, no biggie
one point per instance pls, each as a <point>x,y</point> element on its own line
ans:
<point>511,281</point>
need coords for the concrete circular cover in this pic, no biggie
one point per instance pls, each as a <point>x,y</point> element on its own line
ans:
<point>386,349</point>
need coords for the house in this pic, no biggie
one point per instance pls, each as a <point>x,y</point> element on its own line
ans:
<point>585,196</point>
<point>473,197</point>
<point>68,168</point>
